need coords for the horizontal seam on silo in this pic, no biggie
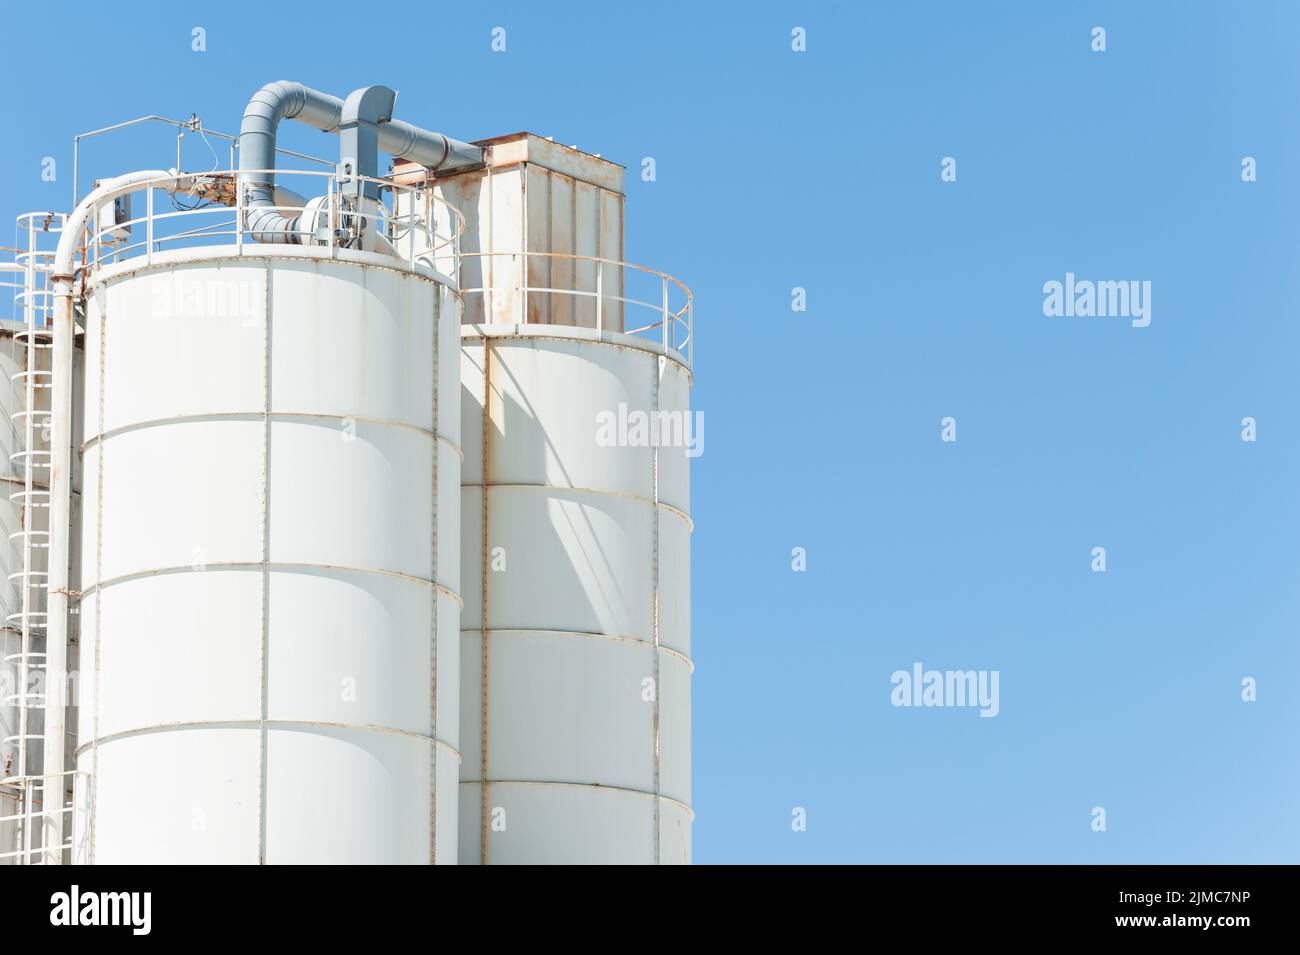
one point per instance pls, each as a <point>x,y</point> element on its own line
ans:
<point>617,638</point>
<point>151,728</point>
<point>269,565</point>
<point>550,782</point>
<point>260,416</point>
<point>626,495</point>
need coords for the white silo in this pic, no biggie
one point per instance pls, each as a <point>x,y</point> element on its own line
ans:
<point>269,569</point>
<point>575,675</point>
<point>269,572</point>
<point>261,590</point>
<point>270,564</point>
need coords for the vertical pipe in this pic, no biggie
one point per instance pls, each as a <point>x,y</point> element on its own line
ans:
<point>484,658</point>
<point>61,371</point>
<point>333,211</point>
<point>56,638</point>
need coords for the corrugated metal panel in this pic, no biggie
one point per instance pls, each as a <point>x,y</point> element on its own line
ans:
<point>609,242</point>
<point>537,234</point>
<point>586,242</point>
<point>561,240</point>
<point>538,197</point>
<point>504,238</point>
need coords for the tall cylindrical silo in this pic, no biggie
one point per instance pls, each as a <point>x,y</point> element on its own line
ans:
<point>575,662</point>
<point>575,677</point>
<point>270,562</point>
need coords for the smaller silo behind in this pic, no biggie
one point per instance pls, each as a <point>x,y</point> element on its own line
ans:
<point>575,675</point>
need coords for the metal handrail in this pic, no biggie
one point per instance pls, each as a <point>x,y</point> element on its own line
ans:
<point>193,125</point>
<point>674,324</point>
<point>403,230</point>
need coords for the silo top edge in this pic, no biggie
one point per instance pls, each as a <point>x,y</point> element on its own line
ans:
<point>212,254</point>
<point>574,333</point>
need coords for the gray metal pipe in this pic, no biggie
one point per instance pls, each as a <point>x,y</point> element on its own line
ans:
<point>433,150</point>
<point>284,99</point>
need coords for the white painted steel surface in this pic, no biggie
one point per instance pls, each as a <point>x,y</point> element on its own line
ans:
<point>586,579</point>
<point>271,472</point>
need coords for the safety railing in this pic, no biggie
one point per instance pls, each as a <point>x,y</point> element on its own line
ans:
<point>25,804</point>
<point>182,127</point>
<point>407,222</point>
<point>554,288</point>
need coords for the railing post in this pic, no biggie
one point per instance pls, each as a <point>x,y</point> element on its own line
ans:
<point>600,292</point>
<point>690,332</point>
<point>148,224</point>
<point>664,281</point>
<point>333,219</point>
<point>239,217</point>
<point>29,797</point>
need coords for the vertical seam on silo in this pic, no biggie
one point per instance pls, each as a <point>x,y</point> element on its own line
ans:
<point>483,610</point>
<point>600,266</point>
<point>658,370</point>
<point>549,300</point>
<point>622,213</point>
<point>523,247</point>
<point>433,593</point>
<point>99,568</point>
<point>266,566</point>
<point>573,246</point>
<point>489,280</point>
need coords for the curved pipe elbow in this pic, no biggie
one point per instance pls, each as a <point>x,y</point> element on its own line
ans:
<point>61,271</point>
<point>282,99</point>
<point>285,99</point>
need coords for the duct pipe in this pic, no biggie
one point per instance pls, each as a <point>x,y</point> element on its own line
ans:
<point>364,112</point>
<point>284,99</point>
<point>61,371</point>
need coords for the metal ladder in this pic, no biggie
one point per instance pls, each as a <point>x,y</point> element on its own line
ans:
<point>34,790</point>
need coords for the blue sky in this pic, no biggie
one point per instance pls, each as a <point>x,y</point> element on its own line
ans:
<point>821,170</point>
